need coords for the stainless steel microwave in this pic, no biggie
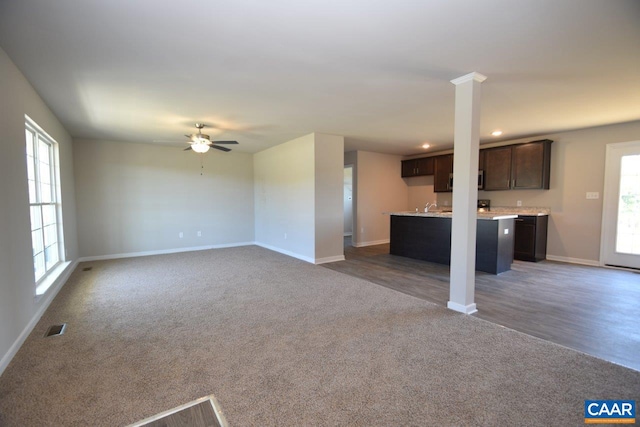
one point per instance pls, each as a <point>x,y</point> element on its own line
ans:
<point>480,180</point>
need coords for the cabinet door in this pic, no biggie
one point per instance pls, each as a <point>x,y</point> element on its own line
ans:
<point>442,167</point>
<point>408,168</point>
<point>497,168</point>
<point>542,225</point>
<point>531,165</point>
<point>525,239</point>
<point>530,240</point>
<point>425,166</point>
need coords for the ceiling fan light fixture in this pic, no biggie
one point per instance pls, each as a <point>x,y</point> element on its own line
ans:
<point>200,147</point>
<point>201,143</point>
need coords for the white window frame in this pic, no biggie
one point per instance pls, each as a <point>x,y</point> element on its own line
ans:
<point>43,282</point>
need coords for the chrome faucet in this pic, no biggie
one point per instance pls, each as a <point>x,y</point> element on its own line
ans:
<point>429,206</point>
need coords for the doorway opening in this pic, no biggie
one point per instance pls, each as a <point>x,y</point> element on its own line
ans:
<point>621,210</point>
<point>348,204</point>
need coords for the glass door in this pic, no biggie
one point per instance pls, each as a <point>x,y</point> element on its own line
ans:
<point>621,210</point>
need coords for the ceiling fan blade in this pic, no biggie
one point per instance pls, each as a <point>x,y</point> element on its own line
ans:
<point>220,148</point>
<point>225,142</point>
<point>187,149</point>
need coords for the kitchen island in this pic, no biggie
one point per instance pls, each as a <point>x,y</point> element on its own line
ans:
<point>427,236</point>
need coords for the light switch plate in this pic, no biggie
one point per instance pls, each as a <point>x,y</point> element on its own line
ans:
<point>592,195</point>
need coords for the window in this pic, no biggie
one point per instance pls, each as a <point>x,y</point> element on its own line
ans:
<point>44,200</point>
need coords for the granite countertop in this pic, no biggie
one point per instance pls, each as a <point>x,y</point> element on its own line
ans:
<point>497,212</point>
<point>526,211</point>
<point>440,214</point>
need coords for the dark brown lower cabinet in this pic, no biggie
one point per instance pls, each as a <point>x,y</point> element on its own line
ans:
<point>429,239</point>
<point>530,240</point>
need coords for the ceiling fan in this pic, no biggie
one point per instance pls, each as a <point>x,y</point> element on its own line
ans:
<point>200,142</point>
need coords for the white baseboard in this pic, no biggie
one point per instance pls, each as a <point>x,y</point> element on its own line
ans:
<point>286,252</point>
<point>301,257</point>
<point>574,260</point>
<point>45,300</point>
<point>163,251</point>
<point>372,243</point>
<point>329,259</point>
<point>466,309</point>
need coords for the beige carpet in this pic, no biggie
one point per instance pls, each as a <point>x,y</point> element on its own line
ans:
<point>283,342</point>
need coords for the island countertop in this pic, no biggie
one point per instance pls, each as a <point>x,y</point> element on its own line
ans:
<point>427,236</point>
<point>440,214</point>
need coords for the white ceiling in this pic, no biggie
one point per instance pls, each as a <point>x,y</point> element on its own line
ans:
<point>376,71</point>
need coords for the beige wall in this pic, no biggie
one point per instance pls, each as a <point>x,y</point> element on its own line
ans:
<point>379,189</point>
<point>284,197</point>
<point>298,197</point>
<point>329,205</point>
<point>577,167</point>
<point>135,198</point>
<point>18,308</point>
<point>420,189</point>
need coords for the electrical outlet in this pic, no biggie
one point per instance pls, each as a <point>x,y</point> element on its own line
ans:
<point>180,235</point>
<point>506,231</point>
<point>285,236</point>
<point>199,233</point>
<point>593,195</point>
<point>362,229</point>
<point>519,203</point>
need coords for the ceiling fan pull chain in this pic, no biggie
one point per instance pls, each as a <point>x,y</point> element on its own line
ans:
<point>201,165</point>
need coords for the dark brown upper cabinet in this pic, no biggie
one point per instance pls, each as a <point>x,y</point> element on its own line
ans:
<point>497,168</point>
<point>442,168</point>
<point>481,160</point>
<point>417,167</point>
<point>518,167</point>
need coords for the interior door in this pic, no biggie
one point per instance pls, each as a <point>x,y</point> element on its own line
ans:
<point>621,212</point>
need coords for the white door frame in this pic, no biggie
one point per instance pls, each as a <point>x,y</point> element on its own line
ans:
<point>611,196</point>
<point>353,202</point>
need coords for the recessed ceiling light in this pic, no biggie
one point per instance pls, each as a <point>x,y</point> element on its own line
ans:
<point>496,133</point>
<point>426,145</point>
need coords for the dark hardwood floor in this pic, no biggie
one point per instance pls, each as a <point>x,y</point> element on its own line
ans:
<point>590,309</point>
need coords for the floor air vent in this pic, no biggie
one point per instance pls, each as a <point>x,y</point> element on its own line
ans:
<point>87,269</point>
<point>56,330</point>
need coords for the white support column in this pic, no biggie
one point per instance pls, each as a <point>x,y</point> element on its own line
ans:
<point>465,193</point>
